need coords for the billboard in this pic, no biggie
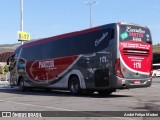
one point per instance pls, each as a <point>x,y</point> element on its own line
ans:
<point>23,36</point>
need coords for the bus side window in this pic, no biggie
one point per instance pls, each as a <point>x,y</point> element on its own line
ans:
<point>112,34</point>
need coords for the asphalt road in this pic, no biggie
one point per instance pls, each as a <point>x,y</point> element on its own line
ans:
<point>140,99</point>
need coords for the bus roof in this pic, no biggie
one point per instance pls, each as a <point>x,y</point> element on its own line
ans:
<point>123,23</point>
<point>71,34</point>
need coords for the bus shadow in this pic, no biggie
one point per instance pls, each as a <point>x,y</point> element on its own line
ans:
<point>57,93</point>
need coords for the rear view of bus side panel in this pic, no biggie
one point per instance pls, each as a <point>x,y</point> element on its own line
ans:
<point>115,82</point>
<point>96,73</point>
<point>99,66</point>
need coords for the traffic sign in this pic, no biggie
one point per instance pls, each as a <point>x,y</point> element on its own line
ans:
<point>23,36</point>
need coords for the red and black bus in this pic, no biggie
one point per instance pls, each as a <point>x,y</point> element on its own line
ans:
<point>102,59</point>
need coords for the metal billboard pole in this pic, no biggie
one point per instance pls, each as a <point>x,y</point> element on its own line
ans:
<point>21,28</point>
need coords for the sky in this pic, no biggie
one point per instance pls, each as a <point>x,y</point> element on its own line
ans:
<point>46,18</point>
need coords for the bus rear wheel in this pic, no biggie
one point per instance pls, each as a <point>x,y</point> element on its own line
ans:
<point>105,92</point>
<point>74,86</point>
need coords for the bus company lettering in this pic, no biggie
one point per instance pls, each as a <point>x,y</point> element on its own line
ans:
<point>46,64</point>
<point>133,34</point>
<point>98,41</point>
<point>135,45</point>
<point>129,29</point>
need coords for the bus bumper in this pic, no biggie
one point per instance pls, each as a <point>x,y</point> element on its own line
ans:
<point>133,83</point>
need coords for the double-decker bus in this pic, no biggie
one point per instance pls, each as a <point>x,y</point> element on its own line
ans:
<point>101,59</point>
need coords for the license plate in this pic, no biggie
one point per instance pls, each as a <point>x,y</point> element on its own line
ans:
<point>137,82</point>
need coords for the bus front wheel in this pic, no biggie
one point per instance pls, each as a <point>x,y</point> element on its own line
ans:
<point>74,86</point>
<point>21,85</point>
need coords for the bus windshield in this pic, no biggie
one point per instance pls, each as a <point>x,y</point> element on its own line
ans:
<point>135,33</point>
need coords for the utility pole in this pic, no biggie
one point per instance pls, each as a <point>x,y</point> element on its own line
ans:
<point>21,25</point>
<point>90,8</point>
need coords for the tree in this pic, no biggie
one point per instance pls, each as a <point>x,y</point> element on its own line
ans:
<point>1,70</point>
<point>6,68</point>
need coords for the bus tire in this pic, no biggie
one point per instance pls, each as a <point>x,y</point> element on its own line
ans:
<point>48,89</point>
<point>105,92</point>
<point>88,92</point>
<point>74,86</point>
<point>21,85</point>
